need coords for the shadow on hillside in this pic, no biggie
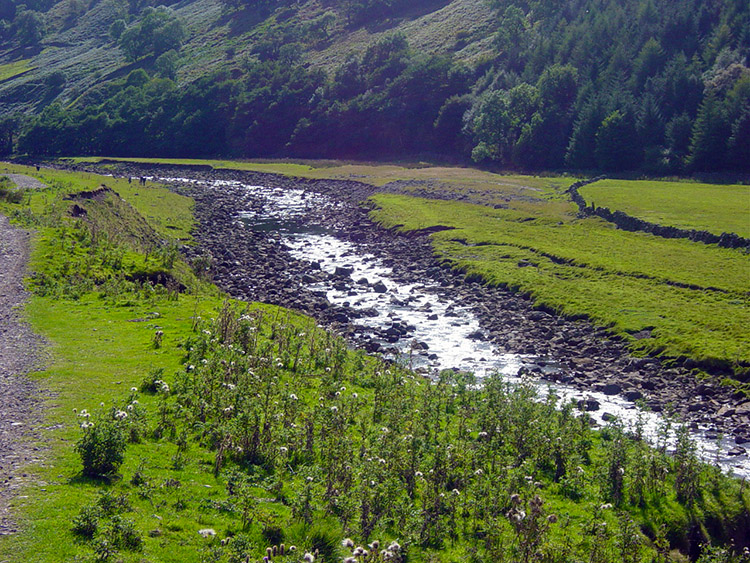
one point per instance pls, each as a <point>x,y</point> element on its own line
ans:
<point>242,20</point>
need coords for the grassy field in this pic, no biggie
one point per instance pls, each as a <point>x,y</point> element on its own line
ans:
<point>9,70</point>
<point>686,205</point>
<point>245,427</point>
<point>693,297</point>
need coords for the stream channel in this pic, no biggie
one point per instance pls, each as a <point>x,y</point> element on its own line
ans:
<point>421,325</point>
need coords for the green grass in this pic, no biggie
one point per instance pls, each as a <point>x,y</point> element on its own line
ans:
<point>169,214</point>
<point>686,205</point>
<point>269,412</point>
<point>694,297</point>
<point>9,70</point>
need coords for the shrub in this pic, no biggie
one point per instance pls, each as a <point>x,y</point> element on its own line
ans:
<point>86,523</point>
<point>102,446</point>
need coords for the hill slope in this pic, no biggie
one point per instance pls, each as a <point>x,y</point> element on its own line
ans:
<point>650,85</point>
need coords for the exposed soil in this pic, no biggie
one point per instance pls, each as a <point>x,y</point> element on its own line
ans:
<point>18,356</point>
<point>256,266</point>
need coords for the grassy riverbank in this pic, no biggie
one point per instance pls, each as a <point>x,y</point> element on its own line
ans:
<point>683,300</point>
<point>180,426</point>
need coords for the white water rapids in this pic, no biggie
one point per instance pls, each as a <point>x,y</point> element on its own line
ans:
<point>440,338</point>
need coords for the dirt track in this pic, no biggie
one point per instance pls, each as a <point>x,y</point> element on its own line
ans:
<point>18,356</point>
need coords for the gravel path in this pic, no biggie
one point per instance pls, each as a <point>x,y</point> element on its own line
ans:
<point>18,356</point>
<point>25,182</point>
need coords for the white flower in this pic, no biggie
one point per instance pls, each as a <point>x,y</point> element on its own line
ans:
<point>308,558</point>
<point>134,389</point>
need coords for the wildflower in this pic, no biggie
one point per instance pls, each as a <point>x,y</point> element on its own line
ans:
<point>342,389</point>
<point>515,498</point>
<point>129,408</point>
<point>308,558</point>
<point>482,434</point>
<point>374,545</point>
<point>309,479</point>
<point>394,547</point>
<point>606,506</point>
<point>552,518</point>
<point>293,397</point>
<point>350,560</point>
<point>384,430</point>
<point>334,409</point>
<point>419,474</point>
<point>135,402</point>
<point>456,492</point>
<point>207,532</point>
<point>355,395</point>
<point>347,542</point>
<point>328,370</point>
<point>229,409</point>
<point>101,404</point>
<point>121,415</point>
<point>134,389</point>
<point>283,449</point>
<point>479,472</point>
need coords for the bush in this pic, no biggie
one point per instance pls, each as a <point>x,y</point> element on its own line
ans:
<point>86,523</point>
<point>102,447</point>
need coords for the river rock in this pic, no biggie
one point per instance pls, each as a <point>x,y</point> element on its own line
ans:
<point>588,405</point>
<point>380,287</point>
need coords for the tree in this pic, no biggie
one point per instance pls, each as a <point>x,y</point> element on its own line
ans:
<point>166,64</point>
<point>617,145</point>
<point>581,147</point>
<point>29,27</point>
<point>739,143</point>
<point>708,143</point>
<point>158,32</point>
<point>8,131</point>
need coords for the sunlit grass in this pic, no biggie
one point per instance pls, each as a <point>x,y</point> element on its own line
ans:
<point>15,68</point>
<point>693,296</point>
<point>687,205</point>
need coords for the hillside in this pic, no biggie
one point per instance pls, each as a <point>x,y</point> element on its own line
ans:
<point>649,85</point>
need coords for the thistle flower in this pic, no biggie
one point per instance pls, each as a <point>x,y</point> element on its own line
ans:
<point>347,542</point>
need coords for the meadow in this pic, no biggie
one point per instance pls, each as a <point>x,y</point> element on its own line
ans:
<point>716,208</point>
<point>184,426</point>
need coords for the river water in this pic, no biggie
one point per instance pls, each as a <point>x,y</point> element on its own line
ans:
<point>440,332</point>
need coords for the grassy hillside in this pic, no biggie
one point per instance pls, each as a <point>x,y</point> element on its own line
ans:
<point>78,43</point>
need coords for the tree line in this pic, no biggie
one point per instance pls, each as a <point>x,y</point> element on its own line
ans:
<point>656,86</point>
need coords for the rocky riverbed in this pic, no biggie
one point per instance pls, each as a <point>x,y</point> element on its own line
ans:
<point>258,265</point>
